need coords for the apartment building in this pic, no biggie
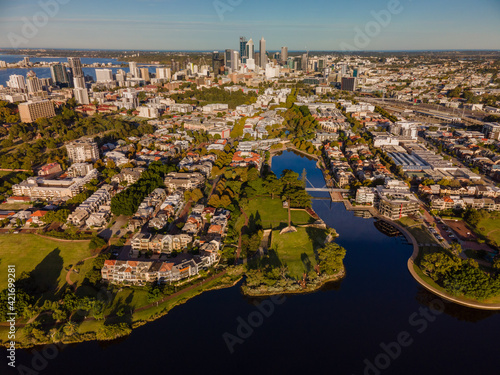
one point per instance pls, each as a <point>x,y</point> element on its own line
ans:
<point>184,181</point>
<point>101,197</point>
<point>82,150</point>
<point>40,188</point>
<point>365,195</point>
<point>33,110</point>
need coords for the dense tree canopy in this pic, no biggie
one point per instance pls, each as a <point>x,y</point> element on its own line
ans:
<point>460,277</point>
<point>127,202</point>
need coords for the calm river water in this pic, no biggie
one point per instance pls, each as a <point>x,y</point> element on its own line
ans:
<point>339,330</point>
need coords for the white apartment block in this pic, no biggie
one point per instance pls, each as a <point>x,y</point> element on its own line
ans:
<point>82,150</point>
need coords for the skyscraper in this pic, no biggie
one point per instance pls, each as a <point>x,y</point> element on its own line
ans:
<point>79,82</point>
<point>263,54</point>
<point>284,54</point>
<point>76,66</point>
<point>134,71</point>
<point>231,59</point>
<point>348,84</point>
<point>217,62</point>
<point>243,48</point>
<point>250,50</point>
<point>80,92</point>
<point>305,62</point>
<point>59,74</point>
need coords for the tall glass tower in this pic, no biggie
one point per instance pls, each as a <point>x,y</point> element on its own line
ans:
<point>243,49</point>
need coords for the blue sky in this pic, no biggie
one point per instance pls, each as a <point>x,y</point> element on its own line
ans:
<point>216,24</point>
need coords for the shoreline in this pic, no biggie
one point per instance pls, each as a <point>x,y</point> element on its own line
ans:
<point>134,324</point>
<point>411,261</point>
<point>333,278</point>
<point>446,296</point>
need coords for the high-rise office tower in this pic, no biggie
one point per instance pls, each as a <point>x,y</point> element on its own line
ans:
<point>263,54</point>
<point>250,50</point>
<point>348,84</point>
<point>243,48</point>
<point>217,62</point>
<point>235,61</point>
<point>305,62</point>
<point>231,59</point>
<point>228,58</point>
<point>284,54</point>
<point>76,66</point>
<point>59,74</point>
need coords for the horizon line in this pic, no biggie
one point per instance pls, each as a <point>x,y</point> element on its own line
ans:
<point>271,50</point>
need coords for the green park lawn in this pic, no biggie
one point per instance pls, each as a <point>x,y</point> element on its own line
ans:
<point>490,227</point>
<point>297,250</point>
<point>47,258</point>
<point>272,213</point>
<point>408,222</point>
<point>419,231</point>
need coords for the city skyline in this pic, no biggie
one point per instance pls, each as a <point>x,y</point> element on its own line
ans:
<point>329,26</point>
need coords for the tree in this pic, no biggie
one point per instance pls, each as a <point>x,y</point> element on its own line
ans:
<point>96,243</point>
<point>456,249</point>
<point>437,265</point>
<point>59,216</point>
<point>330,258</point>
<point>274,186</point>
<point>193,196</point>
<point>496,263</point>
